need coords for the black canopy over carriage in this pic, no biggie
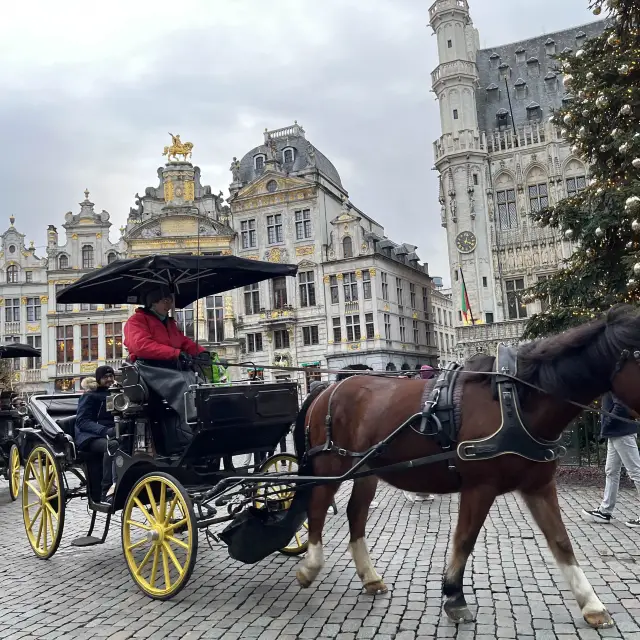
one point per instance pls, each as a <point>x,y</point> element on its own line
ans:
<point>165,496</point>
<point>12,415</point>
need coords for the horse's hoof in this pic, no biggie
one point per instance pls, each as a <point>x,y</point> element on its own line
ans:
<point>459,615</point>
<point>303,581</point>
<point>599,620</point>
<point>375,588</point>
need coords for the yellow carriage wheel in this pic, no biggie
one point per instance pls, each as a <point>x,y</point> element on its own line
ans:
<point>279,497</point>
<point>14,472</point>
<point>159,535</point>
<point>43,502</point>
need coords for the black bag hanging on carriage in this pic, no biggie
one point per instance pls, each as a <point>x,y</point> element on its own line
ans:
<point>257,533</point>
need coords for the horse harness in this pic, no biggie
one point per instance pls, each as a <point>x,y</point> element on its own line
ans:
<point>440,419</point>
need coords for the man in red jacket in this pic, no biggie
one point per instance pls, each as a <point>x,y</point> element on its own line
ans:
<point>151,334</point>
<point>162,354</point>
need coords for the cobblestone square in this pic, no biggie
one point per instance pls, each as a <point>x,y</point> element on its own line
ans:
<point>511,581</point>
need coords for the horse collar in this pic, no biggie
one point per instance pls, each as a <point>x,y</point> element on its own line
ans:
<point>512,437</point>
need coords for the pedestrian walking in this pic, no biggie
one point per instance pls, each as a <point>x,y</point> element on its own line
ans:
<point>622,449</point>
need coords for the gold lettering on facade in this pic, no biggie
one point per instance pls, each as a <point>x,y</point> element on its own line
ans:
<point>179,227</point>
<point>33,328</point>
<point>305,251</point>
<point>189,190</point>
<point>168,191</point>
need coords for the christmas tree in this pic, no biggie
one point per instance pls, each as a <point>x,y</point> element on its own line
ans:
<point>602,123</point>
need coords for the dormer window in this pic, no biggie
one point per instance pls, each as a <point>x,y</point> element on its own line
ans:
<point>111,257</point>
<point>550,46</point>
<point>581,37</point>
<point>521,89</point>
<point>493,93</point>
<point>288,155</point>
<point>347,247</point>
<point>12,274</point>
<point>533,67</point>
<point>566,99</point>
<point>505,70</point>
<point>534,112</point>
<point>502,119</point>
<point>566,51</point>
<point>449,44</point>
<point>551,81</point>
<point>494,59</point>
<point>520,56</point>
<point>258,162</point>
<point>63,261</point>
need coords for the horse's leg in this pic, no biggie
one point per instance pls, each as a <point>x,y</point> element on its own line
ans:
<point>474,506</point>
<point>364,489</point>
<point>544,507</point>
<point>319,503</point>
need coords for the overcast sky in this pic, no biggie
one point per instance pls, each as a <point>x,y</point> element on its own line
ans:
<point>90,90</point>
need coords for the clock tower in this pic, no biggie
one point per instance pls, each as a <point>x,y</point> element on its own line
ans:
<point>461,160</point>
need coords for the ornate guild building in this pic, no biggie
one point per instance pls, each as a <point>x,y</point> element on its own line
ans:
<point>499,158</point>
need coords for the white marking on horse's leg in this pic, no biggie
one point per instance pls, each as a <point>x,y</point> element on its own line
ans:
<point>582,590</point>
<point>364,567</point>
<point>311,565</point>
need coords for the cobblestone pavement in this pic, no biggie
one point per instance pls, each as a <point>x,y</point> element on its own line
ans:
<point>512,581</point>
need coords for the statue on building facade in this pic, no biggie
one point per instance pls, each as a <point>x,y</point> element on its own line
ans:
<point>235,169</point>
<point>178,148</point>
<point>137,212</point>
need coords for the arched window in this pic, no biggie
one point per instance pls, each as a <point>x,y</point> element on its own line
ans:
<point>405,367</point>
<point>258,162</point>
<point>537,190</point>
<point>506,202</point>
<point>87,257</point>
<point>12,273</point>
<point>347,247</point>
<point>390,366</point>
<point>111,257</point>
<point>63,261</point>
<point>288,155</point>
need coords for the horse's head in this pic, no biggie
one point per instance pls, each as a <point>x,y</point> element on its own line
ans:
<point>623,332</point>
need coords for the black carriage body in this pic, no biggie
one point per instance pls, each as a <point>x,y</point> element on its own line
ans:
<point>11,422</point>
<point>242,418</point>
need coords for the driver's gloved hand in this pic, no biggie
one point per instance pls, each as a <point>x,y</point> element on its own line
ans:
<point>184,358</point>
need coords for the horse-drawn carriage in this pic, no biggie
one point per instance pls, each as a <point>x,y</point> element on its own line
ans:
<point>165,498</point>
<point>496,432</point>
<point>12,416</point>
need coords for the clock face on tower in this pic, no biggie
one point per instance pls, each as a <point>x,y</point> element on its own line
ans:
<point>466,242</point>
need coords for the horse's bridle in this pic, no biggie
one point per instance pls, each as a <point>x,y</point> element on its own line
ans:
<point>625,354</point>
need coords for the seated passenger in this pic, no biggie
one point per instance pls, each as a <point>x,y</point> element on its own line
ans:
<point>162,353</point>
<point>94,423</point>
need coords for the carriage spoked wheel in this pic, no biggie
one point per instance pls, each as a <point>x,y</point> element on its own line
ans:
<point>279,497</point>
<point>14,472</point>
<point>159,535</point>
<point>42,502</point>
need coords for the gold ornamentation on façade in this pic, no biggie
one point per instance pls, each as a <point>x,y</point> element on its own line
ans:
<point>178,148</point>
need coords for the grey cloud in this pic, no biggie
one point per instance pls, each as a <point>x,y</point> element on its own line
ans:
<point>359,86</point>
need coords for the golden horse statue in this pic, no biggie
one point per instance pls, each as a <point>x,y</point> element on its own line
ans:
<point>178,148</point>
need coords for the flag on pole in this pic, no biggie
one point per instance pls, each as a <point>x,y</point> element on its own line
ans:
<point>466,306</point>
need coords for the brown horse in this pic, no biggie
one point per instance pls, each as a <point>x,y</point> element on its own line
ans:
<point>579,365</point>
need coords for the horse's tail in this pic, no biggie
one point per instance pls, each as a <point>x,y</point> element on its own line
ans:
<point>298,430</point>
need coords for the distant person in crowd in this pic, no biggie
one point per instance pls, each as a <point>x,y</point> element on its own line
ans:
<point>622,449</point>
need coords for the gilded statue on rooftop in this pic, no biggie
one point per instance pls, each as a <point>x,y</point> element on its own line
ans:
<point>178,148</point>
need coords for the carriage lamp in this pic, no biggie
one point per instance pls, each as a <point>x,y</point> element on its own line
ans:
<point>141,436</point>
<point>120,402</point>
<point>10,428</point>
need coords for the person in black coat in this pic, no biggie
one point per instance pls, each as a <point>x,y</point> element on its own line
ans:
<point>94,423</point>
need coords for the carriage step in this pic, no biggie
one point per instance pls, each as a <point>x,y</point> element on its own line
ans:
<point>86,541</point>
<point>102,507</point>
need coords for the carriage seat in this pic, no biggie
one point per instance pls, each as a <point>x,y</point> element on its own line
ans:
<point>68,425</point>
